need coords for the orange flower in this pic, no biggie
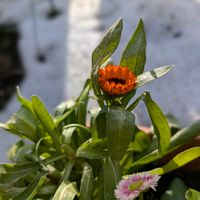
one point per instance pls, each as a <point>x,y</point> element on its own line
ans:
<point>116,80</point>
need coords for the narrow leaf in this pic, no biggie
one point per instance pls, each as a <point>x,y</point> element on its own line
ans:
<point>134,55</point>
<point>24,102</point>
<point>112,175</point>
<point>160,123</point>
<point>83,101</point>
<point>46,120</point>
<point>178,161</point>
<point>108,44</point>
<point>10,173</point>
<point>152,75</point>
<point>180,138</point>
<point>87,183</point>
<point>32,189</point>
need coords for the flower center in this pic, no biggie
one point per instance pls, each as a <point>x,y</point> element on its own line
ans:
<point>135,186</point>
<point>117,80</point>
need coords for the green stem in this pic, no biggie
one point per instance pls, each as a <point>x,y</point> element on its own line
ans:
<point>141,196</point>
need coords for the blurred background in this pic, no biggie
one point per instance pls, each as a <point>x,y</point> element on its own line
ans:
<point>46,46</point>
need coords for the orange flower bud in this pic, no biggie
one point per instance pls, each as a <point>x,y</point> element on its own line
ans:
<point>116,80</point>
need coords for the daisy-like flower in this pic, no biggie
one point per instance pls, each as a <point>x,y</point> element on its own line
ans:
<point>130,188</point>
<point>116,80</point>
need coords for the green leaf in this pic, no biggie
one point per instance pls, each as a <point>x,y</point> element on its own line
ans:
<point>46,120</point>
<point>120,130</point>
<point>47,190</point>
<point>63,108</point>
<point>14,149</point>
<point>180,138</point>
<point>108,44</point>
<point>173,123</point>
<point>93,114</point>
<point>23,123</point>
<point>67,134</point>
<point>10,192</point>
<point>112,175</point>
<point>82,105</point>
<point>32,189</point>
<point>185,135</point>
<point>140,143</point>
<point>93,150</point>
<point>99,129</point>
<point>87,183</point>
<point>24,102</point>
<point>134,55</point>
<point>192,194</point>
<point>176,190</point>
<point>103,51</point>
<point>178,161</point>
<point>67,171</point>
<point>160,123</point>
<point>98,193</point>
<point>69,130</point>
<point>10,173</point>
<point>152,75</point>
<point>66,191</point>
<point>135,103</point>
<point>25,153</point>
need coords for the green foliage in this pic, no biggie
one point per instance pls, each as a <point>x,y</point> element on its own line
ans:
<point>76,154</point>
<point>159,122</point>
<point>176,190</point>
<point>192,194</point>
<point>134,55</point>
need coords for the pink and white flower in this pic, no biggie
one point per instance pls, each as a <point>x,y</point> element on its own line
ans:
<point>130,188</point>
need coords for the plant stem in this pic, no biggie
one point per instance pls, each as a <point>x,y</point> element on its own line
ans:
<point>141,196</point>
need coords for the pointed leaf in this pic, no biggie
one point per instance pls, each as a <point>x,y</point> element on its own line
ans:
<point>108,44</point>
<point>46,120</point>
<point>152,75</point>
<point>103,51</point>
<point>160,123</point>
<point>134,55</point>
<point>24,102</point>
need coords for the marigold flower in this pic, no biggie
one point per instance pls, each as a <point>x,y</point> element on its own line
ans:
<point>116,80</point>
<point>130,188</point>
